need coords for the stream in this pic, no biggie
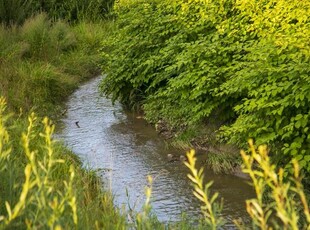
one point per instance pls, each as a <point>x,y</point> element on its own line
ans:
<point>124,150</point>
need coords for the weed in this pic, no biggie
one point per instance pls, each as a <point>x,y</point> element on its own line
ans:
<point>210,208</point>
<point>284,195</point>
<point>280,203</point>
<point>55,192</point>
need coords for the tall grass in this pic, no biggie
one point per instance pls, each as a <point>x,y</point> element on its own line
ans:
<point>17,11</point>
<point>50,57</point>
<point>43,184</point>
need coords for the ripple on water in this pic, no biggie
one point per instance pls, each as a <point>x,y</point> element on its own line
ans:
<point>125,150</point>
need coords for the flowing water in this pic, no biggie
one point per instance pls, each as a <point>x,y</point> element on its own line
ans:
<point>124,150</point>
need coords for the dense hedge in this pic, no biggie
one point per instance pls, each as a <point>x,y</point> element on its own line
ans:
<point>242,63</point>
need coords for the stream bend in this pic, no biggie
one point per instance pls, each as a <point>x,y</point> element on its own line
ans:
<point>124,150</point>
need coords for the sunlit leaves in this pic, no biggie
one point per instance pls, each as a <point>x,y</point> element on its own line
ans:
<point>244,62</point>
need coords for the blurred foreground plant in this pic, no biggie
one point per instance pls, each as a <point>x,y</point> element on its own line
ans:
<point>41,202</point>
<point>284,196</point>
<point>210,208</point>
<point>280,202</point>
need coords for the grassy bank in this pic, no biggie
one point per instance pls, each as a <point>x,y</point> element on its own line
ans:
<point>43,184</point>
<point>42,61</point>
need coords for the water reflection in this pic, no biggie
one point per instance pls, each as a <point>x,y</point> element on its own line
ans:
<point>126,149</point>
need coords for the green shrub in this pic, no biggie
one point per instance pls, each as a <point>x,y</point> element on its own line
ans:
<point>241,64</point>
<point>172,57</point>
<point>275,79</point>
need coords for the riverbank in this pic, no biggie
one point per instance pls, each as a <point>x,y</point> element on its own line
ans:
<point>51,57</point>
<point>43,183</point>
<point>222,158</point>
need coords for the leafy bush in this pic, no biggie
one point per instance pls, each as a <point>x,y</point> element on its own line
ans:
<point>172,57</point>
<point>275,77</point>
<point>239,64</point>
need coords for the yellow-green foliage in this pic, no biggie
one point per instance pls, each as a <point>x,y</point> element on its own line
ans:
<point>275,79</point>
<point>242,63</point>
<point>41,201</point>
<point>145,219</point>
<point>43,186</point>
<point>210,208</point>
<point>279,204</point>
<point>286,199</point>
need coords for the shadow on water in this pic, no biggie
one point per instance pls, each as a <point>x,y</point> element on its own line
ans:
<point>124,150</point>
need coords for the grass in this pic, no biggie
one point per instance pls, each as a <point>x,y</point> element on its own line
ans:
<point>43,184</point>
<point>51,57</point>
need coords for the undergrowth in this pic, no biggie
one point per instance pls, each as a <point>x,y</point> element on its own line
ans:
<point>17,11</point>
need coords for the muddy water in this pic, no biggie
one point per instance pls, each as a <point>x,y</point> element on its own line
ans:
<point>125,149</point>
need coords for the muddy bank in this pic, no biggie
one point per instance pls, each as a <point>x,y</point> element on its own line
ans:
<point>221,158</point>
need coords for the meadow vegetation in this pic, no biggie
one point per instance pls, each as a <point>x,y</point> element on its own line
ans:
<point>43,58</point>
<point>43,184</point>
<point>43,61</point>
<point>239,65</point>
